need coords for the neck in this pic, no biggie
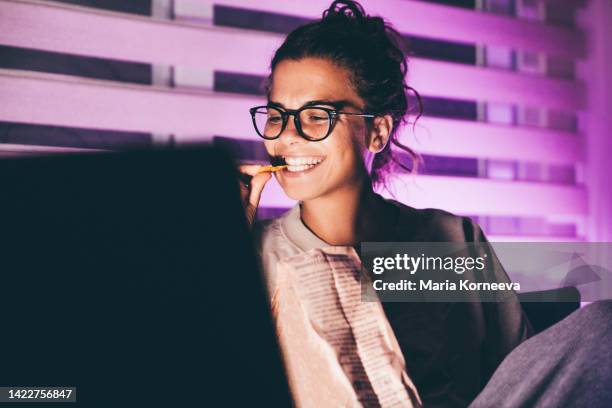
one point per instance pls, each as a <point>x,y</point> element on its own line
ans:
<point>348,216</point>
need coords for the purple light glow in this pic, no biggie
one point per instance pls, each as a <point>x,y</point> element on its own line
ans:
<point>67,101</point>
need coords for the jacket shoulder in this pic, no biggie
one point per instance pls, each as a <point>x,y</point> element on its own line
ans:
<point>435,224</point>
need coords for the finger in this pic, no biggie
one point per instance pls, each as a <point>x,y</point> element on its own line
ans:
<point>250,169</point>
<point>258,183</point>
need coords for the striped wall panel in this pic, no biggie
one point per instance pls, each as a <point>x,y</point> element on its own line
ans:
<point>126,37</point>
<point>215,53</point>
<point>134,108</point>
<point>434,21</point>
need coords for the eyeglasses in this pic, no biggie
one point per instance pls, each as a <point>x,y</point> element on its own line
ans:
<point>312,123</point>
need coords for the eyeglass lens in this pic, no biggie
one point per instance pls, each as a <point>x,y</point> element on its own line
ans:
<point>315,122</point>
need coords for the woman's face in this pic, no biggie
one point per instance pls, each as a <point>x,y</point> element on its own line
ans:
<point>340,155</point>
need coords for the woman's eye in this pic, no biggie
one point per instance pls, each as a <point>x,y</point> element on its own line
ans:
<point>274,119</point>
<point>317,118</point>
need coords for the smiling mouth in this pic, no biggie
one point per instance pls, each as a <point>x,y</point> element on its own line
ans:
<point>296,164</point>
<point>303,163</point>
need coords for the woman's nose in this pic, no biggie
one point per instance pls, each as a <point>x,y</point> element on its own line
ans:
<point>290,133</point>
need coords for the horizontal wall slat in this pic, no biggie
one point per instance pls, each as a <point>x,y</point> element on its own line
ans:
<point>78,30</point>
<point>490,197</point>
<point>443,22</point>
<point>448,137</point>
<point>446,79</point>
<point>470,196</point>
<point>48,99</point>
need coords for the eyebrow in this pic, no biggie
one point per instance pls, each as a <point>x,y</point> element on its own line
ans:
<point>337,104</point>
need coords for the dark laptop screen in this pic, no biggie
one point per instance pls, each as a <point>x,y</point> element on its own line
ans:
<point>132,277</point>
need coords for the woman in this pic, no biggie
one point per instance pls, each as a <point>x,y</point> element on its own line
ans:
<point>336,100</point>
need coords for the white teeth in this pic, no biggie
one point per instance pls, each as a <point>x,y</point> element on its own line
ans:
<point>300,167</point>
<point>299,161</point>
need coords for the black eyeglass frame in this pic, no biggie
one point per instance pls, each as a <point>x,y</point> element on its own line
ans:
<point>332,115</point>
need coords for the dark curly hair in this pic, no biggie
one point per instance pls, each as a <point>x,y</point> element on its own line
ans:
<point>371,50</point>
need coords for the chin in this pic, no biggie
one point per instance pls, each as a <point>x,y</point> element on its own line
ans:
<point>300,194</point>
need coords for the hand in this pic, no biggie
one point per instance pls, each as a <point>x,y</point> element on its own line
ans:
<point>251,191</point>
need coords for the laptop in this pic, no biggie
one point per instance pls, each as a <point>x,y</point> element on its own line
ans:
<point>131,276</point>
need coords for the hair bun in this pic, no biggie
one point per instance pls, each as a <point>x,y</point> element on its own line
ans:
<point>351,12</point>
<point>345,9</point>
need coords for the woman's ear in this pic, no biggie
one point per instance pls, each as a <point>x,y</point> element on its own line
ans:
<point>380,133</point>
